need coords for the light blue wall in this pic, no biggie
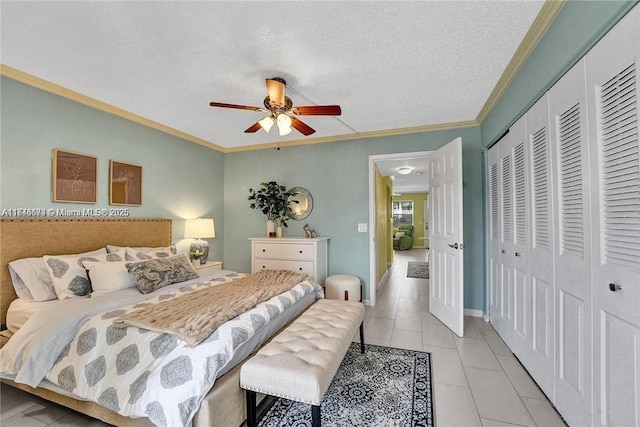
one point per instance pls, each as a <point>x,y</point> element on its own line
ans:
<point>337,175</point>
<point>180,179</point>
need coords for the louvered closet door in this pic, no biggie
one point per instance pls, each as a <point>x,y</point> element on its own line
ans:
<point>515,292</point>
<point>540,358</point>
<point>572,235</point>
<point>612,84</point>
<point>495,262</point>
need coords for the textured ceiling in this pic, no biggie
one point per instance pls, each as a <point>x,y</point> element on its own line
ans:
<point>390,65</point>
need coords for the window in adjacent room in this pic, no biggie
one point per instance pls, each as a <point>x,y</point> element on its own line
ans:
<point>402,212</point>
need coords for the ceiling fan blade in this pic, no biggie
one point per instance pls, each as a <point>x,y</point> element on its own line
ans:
<point>253,128</point>
<point>276,91</point>
<point>301,127</point>
<point>317,110</point>
<point>239,107</point>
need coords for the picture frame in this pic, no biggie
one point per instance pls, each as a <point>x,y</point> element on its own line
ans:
<point>125,184</point>
<point>74,177</point>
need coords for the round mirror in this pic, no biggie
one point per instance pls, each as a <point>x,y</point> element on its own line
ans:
<point>300,203</point>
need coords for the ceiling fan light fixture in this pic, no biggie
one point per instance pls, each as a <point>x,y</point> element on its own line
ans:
<point>266,123</point>
<point>284,124</point>
<point>404,170</point>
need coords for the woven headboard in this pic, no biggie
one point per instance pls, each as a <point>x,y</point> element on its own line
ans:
<point>23,238</point>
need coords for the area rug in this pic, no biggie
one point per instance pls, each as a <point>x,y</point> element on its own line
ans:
<point>418,270</point>
<point>384,387</point>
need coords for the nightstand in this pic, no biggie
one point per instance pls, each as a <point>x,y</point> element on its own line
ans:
<point>209,268</point>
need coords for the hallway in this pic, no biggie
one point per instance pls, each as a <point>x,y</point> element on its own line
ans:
<point>477,380</point>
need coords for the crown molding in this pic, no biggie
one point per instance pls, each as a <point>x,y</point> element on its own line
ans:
<point>72,95</point>
<point>360,135</point>
<point>547,14</point>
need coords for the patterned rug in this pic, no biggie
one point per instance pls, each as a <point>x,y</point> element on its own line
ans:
<point>418,270</point>
<point>384,387</point>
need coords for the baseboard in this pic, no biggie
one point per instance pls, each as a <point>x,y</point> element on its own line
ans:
<point>473,313</point>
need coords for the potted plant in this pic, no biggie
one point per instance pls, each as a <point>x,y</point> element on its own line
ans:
<point>195,256</point>
<point>272,200</point>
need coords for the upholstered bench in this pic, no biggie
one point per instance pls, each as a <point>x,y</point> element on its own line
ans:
<point>299,363</point>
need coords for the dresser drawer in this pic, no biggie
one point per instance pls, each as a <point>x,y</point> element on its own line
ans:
<point>274,264</point>
<point>296,251</point>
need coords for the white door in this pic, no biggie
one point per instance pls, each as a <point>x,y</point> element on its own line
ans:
<point>572,231</point>
<point>514,254</point>
<point>540,358</point>
<point>613,79</point>
<point>495,227</point>
<point>446,284</point>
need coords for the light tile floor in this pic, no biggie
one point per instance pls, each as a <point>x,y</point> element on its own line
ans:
<point>477,380</point>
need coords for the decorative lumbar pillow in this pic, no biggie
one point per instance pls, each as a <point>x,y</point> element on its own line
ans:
<point>69,276</point>
<point>107,277</point>
<point>155,273</point>
<point>141,254</point>
<point>31,279</point>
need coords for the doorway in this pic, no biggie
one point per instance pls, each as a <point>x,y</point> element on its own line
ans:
<point>446,266</point>
<point>415,181</point>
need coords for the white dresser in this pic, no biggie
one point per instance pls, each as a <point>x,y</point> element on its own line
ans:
<point>291,253</point>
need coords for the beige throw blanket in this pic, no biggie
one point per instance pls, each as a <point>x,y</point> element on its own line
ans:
<point>195,315</point>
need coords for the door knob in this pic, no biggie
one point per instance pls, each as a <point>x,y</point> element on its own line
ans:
<point>454,246</point>
<point>518,254</point>
<point>614,288</point>
<point>503,251</point>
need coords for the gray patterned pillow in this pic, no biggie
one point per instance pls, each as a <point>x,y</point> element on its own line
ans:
<point>155,273</point>
<point>69,276</point>
<point>142,254</point>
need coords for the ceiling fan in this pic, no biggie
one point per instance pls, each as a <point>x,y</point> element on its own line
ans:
<point>281,110</point>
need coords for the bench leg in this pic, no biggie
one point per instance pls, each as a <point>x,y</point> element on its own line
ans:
<point>315,415</point>
<point>362,337</point>
<point>251,409</point>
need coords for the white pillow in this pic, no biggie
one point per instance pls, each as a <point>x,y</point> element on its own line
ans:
<point>69,276</point>
<point>31,279</point>
<point>143,254</point>
<point>113,248</point>
<point>107,277</point>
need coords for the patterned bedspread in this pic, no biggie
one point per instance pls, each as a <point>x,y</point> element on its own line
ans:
<point>139,373</point>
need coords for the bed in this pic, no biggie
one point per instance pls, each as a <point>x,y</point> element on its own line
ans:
<point>222,405</point>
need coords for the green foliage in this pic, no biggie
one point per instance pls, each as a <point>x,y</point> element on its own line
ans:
<point>195,254</point>
<point>272,200</point>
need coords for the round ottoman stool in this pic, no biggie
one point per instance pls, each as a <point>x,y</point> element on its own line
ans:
<point>342,286</point>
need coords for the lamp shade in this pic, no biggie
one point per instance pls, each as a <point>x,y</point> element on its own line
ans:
<point>284,124</point>
<point>266,123</point>
<point>201,228</point>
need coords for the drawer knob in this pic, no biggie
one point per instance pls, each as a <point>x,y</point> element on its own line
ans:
<point>264,266</point>
<point>300,268</point>
<point>300,251</point>
<point>614,287</point>
<point>264,250</point>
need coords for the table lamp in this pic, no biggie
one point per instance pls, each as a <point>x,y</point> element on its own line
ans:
<point>200,228</point>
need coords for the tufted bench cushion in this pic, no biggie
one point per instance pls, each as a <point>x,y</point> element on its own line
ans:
<point>299,363</point>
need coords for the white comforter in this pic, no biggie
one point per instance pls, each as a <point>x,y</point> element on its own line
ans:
<point>132,371</point>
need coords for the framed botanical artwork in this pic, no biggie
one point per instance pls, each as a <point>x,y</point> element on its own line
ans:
<point>74,178</point>
<point>125,184</point>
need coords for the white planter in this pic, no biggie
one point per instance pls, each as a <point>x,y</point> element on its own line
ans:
<point>271,228</point>
<point>278,231</point>
<point>195,263</point>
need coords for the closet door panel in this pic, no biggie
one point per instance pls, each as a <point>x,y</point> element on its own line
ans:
<point>614,116</point>
<point>516,297</point>
<point>495,227</point>
<point>572,246</point>
<point>541,248</point>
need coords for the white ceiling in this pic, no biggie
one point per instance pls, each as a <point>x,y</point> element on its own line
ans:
<point>390,65</point>
<point>415,182</point>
